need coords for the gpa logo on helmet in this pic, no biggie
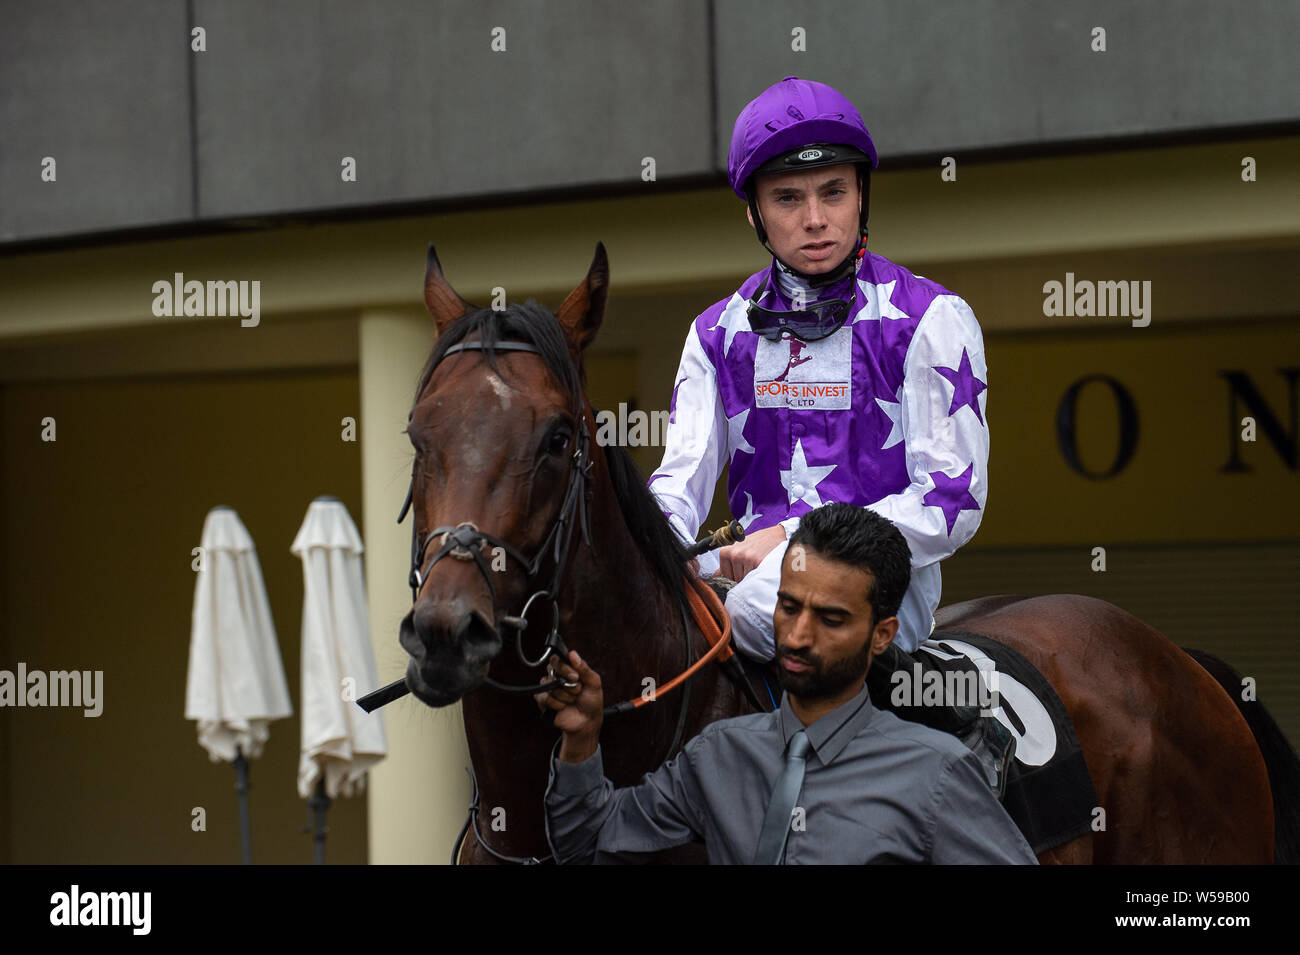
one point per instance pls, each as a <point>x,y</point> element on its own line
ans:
<point>809,155</point>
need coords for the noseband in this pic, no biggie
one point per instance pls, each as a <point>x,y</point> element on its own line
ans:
<point>466,542</point>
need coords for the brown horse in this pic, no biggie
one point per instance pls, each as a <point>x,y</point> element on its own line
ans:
<point>498,429</point>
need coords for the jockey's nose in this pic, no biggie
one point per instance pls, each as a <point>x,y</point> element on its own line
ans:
<point>816,220</point>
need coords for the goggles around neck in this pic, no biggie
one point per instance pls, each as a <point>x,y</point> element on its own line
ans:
<point>819,320</point>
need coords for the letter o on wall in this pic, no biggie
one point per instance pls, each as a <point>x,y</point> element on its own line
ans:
<point>1066,436</point>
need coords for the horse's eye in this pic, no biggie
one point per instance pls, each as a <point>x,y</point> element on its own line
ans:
<point>559,442</point>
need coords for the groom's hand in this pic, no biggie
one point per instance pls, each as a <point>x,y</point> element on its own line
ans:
<point>580,708</point>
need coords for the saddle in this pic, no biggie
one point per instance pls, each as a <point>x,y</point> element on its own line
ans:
<point>1049,794</point>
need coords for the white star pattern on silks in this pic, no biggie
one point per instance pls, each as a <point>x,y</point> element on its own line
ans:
<point>736,433</point>
<point>736,317</point>
<point>804,477</point>
<point>876,302</point>
<point>749,516</point>
<point>894,410</point>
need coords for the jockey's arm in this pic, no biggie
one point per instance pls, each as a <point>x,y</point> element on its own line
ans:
<point>695,446</point>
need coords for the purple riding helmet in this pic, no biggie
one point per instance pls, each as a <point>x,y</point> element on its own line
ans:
<point>799,124</point>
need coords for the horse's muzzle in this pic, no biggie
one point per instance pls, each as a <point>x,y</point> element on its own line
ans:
<point>448,658</point>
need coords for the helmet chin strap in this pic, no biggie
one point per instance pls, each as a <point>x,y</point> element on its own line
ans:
<point>820,280</point>
<point>847,267</point>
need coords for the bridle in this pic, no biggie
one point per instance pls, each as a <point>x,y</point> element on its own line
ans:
<point>466,542</point>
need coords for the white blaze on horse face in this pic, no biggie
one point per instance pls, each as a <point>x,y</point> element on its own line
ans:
<point>472,459</point>
<point>502,391</point>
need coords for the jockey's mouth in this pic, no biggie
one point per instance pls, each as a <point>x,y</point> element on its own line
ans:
<point>817,250</point>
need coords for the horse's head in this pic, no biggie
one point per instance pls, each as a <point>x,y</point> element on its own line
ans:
<point>501,434</point>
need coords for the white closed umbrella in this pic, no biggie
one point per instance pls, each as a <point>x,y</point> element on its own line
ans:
<point>340,741</point>
<point>236,684</point>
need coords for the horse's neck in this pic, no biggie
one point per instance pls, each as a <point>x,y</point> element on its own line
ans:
<point>625,623</point>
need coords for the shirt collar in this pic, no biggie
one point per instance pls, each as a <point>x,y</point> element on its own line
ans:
<point>782,285</point>
<point>830,734</point>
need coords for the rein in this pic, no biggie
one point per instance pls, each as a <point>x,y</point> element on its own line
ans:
<point>465,542</point>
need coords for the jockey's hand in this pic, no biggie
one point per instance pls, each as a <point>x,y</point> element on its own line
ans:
<point>580,709</point>
<point>737,560</point>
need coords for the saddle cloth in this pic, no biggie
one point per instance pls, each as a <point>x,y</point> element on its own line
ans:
<point>1049,791</point>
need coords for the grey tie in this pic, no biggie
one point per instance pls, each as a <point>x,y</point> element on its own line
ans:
<point>776,825</point>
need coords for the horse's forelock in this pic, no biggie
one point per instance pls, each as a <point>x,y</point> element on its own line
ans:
<point>530,323</point>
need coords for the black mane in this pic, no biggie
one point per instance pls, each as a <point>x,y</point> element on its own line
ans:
<point>533,324</point>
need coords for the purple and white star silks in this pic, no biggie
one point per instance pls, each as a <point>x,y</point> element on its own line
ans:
<point>894,411</point>
<point>736,434</point>
<point>951,495</point>
<point>877,301</point>
<point>672,405</point>
<point>966,388</point>
<point>870,416</point>
<point>801,481</point>
<point>733,319</point>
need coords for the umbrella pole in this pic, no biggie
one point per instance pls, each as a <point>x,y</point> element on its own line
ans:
<point>319,805</point>
<point>241,787</point>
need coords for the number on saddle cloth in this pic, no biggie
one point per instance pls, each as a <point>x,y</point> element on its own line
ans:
<point>1050,794</point>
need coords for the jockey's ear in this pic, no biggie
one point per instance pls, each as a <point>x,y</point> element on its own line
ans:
<point>583,311</point>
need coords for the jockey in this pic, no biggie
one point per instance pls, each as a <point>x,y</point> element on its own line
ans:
<point>833,374</point>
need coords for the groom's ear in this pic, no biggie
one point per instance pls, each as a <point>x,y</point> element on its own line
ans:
<point>882,635</point>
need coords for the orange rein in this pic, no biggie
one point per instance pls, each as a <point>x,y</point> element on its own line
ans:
<point>712,619</point>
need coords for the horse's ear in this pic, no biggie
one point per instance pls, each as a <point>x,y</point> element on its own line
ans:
<point>582,312</point>
<point>439,297</point>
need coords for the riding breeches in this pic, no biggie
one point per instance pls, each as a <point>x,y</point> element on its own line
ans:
<point>752,602</point>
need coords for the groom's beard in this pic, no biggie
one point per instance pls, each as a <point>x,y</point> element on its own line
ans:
<point>821,681</point>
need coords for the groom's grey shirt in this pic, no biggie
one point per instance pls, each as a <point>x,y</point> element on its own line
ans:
<point>876,789</point>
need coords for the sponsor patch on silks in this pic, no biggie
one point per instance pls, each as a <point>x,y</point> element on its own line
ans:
<point>805,375</point>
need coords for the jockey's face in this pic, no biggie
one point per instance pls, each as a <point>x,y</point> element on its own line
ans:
<point>826,637</point>
<point>811,216</point>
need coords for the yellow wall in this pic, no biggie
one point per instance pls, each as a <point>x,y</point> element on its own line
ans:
<point>1174,487</point>
<point>96,575</point>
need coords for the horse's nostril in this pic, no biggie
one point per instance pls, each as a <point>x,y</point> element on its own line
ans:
<point>476,638</point>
